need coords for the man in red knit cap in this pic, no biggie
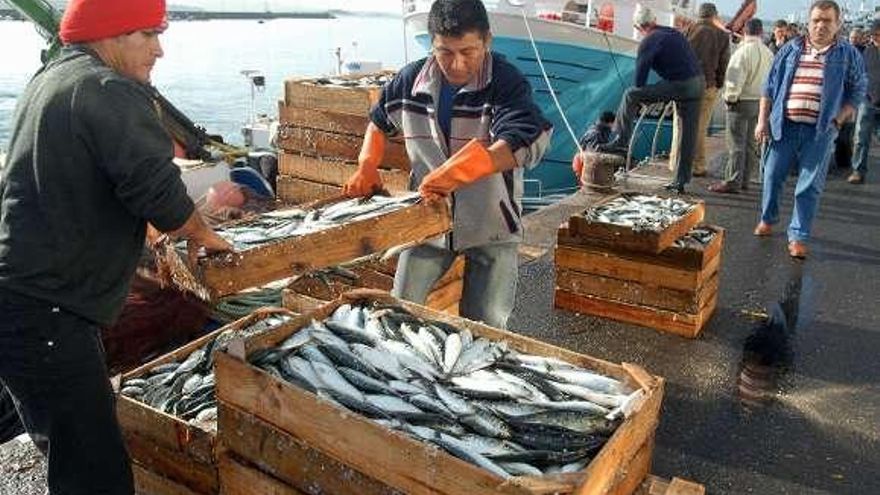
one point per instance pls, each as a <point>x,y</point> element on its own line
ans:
<point>89,165</point>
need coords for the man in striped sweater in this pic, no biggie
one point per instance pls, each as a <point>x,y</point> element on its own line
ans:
<point>814,86</point>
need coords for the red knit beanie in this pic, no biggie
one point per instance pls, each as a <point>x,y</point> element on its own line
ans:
<point>92,20</point>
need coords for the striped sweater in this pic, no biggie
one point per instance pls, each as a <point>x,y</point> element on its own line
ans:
<point>805,96</point>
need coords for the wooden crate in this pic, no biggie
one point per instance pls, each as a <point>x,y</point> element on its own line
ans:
<point>295,191</point>
<point>342,146</point>
<point>149,483</point>
<point>411,466</point>
<point>240,478</point>
<point>228,274</point>
<point>171,454</point>
<point>610,235</point>
<point>304,93</point>
<point>654,485</point>
<point>334,172</point>
<point>674,291</point>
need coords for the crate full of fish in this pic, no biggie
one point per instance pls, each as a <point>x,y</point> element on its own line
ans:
<point>167,410</point>
<point>424,402</point>
<point>343,94</point>
<point>283,243</point>
<point>675,290</point>
<point>637,222</point>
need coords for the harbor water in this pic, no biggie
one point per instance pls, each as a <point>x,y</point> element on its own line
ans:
<point>201,70</point>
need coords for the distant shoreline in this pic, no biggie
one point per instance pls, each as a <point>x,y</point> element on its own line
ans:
<point>202,15</point>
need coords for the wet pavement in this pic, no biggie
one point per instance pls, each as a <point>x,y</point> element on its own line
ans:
<point>785,406</point>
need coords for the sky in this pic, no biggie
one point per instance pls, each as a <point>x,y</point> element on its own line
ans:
<point>767,9</point>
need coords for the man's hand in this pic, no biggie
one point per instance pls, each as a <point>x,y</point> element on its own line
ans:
<point>209,240</point>
<point>364,182</point>
<point>762,131</point>
<point>470,164</point>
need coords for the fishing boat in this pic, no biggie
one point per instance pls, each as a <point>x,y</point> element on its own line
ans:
<point>588,58</point>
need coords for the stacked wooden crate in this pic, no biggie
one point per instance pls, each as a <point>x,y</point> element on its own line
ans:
<point>322,125</point>
<point>283,439</point>
<point>662,280</point>
<point>315,289</point>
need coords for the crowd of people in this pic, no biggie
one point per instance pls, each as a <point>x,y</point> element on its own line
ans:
<point>795,102</point>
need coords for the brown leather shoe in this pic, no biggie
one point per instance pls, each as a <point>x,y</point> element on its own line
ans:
<point>797,249</point>
<point>723,188</point>
<point>763,229</point>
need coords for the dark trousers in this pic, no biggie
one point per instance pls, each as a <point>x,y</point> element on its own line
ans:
<point>742,118</point>
<point>52,363</point>
<point>687,96</point>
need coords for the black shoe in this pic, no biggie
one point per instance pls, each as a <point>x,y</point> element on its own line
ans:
<point>675,188</point>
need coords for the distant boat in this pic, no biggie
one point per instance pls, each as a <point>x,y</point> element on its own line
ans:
<point>589,68</point>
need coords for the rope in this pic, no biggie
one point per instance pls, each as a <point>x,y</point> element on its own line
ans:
<point>240,305</point>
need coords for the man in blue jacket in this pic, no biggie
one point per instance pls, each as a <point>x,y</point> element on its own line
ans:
<point>815,85</point>
<point>668,53</point>
<point>471,128</point>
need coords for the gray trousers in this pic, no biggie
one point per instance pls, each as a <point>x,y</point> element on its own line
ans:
<point>687,96</point>
<point>490,274</point>
<point>742,148</point>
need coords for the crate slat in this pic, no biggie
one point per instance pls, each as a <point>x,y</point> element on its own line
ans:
<point>342,146</point>
<point>296,191</point>
<point>238,478</point>
<point>303,92</point>
<point>335,172</point>
<point>149,483</point>
<point>325,120</point>
<point>683,324</point>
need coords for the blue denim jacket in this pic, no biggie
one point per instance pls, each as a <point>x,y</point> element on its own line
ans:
<point>844,82</point>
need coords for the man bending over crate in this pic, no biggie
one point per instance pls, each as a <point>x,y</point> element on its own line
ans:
<point>470,127</point>
<point>89,165</point>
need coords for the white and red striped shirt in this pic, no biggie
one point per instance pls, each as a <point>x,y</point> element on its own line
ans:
<point>805,95</point>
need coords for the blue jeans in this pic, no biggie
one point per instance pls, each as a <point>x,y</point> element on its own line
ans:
<point>864,131</point>
<point>490,274</point>
<point>799,146</point>
<point>52,364</point>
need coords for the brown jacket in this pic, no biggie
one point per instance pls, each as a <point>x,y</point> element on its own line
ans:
<point>712,46</point>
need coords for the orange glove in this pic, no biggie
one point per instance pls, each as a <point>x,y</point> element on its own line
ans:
<point>470,164</point>
<point>577,166</point>
<point>366,180</point>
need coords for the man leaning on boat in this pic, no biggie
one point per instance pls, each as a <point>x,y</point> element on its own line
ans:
<point>471,128</point>
<point>89,165</point>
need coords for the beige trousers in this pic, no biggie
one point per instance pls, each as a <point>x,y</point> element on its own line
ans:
<point>706,107</point>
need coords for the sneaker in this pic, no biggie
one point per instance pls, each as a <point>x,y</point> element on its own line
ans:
<point>763,229</point>
<point>723,188</point>
<point>797,249</point>
<point>856,178</point>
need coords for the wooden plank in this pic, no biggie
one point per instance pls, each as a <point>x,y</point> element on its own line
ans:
<point>454,310</point>
<point>681,301</point>
<point>377,452</point>
<point>237,478</point>
<point>325,120</point>
<point>636,470</point>
<point>288,459</point>
<point>654,485</point>
<point>300,303</point>
<point>226,274</point>
<point>686,258</point>
<point>643,270</point>
<point>149,483</point>
<point>335,172</point>
<point>294,191</point>
<point>445,296</point>
<point>685,325</point>
<point>172,465</point>
<point>617,236</point>
<point>354,100</point>
<point>340,146</point>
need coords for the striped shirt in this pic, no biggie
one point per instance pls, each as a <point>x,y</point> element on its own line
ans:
<point>805,96</point>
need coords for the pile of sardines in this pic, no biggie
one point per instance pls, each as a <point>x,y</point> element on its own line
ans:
<point>282,224</point>
<point>186,388</point>
<point>369,81</point>
<point>510,413</point>
<point>698,237</point>
<point>641,212</point>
